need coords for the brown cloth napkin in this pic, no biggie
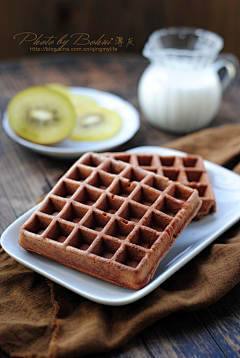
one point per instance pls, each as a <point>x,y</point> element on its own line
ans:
<point>39,318</point>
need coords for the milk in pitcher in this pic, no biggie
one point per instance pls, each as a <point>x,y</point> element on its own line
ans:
<point>179,101</point>
<point>180,91</point>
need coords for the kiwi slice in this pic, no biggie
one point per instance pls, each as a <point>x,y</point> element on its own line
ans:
<point>76,99</point>
<point>58,87</point>
<point>79,100</point>
<point>41,115</point>
<point>95,123</point>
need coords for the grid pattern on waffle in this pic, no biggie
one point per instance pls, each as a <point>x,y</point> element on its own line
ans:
<point>189,170</point>
<point>106,214</point>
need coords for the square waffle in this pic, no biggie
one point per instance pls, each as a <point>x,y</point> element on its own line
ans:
<point>110,220</point>
<point>187,170</point>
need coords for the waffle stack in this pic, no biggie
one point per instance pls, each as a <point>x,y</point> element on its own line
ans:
<point>110,220</point>
<point>187,170</point>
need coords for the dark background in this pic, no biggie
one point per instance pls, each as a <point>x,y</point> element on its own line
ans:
<point>135,19</point>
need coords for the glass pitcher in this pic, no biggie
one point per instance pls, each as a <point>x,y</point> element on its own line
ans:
<point>181,90</point>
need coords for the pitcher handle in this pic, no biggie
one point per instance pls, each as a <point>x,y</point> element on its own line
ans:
<point>231,64</point>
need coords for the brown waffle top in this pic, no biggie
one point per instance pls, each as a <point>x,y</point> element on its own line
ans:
<point>189,170</point>
<point>110,220</point>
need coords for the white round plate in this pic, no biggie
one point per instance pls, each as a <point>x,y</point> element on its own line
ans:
<point>73,149</point>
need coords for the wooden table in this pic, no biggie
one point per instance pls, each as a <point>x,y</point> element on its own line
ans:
<point>27,176</point>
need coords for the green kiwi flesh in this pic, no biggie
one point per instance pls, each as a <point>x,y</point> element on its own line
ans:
<point>95,123</point>
<point>76,99</point>
<point>41,115</point>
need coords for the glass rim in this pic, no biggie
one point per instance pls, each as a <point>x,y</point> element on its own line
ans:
<point>149,51</point>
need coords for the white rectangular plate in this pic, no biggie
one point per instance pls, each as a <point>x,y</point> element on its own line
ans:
<point>193,240</point>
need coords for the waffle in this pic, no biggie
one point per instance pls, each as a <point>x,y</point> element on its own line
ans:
<point>110,220</point>
<point>187,170</point>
